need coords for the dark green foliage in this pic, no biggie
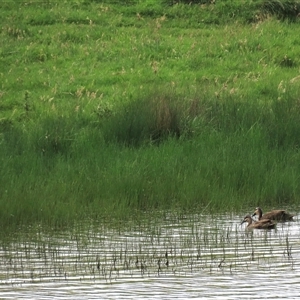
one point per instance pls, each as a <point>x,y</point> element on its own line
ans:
<point>283,9</point>
<point>283,123</point>
<point>152,119</point>
<point>156,119</point>
<point>54,136</point>
<point>190,2</point>
<point>115,2</point>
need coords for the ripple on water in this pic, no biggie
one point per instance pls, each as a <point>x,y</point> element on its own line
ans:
<point>167,258</point>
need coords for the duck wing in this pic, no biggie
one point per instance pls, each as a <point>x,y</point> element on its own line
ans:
<point>278,215</point>
<point>264,224</point>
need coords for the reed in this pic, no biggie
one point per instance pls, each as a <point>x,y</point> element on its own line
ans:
<point>152,248</point>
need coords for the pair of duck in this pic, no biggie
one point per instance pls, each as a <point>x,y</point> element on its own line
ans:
<point>267,220</point>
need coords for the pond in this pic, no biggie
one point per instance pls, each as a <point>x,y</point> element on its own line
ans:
<point>165,257</point>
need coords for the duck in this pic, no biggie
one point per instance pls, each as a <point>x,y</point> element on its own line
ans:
<point>277,215</point>
<point>263,224</point>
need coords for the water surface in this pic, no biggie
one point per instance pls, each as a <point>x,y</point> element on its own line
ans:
<point>193,256</point>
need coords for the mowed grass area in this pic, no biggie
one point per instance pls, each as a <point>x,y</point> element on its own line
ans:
<point>108,108</point>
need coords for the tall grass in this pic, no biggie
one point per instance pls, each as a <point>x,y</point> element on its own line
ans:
<point>287,9</point>
<point>107,109</point>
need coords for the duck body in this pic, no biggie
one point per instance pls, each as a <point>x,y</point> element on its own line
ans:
<point>263,224</point>
<point>275,215</point>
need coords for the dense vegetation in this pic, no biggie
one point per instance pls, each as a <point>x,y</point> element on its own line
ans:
<point>110,107</point>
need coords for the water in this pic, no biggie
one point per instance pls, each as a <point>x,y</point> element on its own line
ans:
<point>193,256</point>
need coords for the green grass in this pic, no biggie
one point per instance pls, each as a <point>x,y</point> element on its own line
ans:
<point>108,109</point>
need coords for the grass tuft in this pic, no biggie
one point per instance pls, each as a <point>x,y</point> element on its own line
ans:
<point>283,9</point>
<point>152,119</point>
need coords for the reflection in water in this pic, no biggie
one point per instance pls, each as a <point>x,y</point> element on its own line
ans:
<point>168,257</point>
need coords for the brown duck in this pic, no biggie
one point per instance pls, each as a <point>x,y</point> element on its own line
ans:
<point>263,224</point>
<point>276,215</point>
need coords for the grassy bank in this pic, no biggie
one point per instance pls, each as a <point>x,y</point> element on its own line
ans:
<point>106,109</point>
